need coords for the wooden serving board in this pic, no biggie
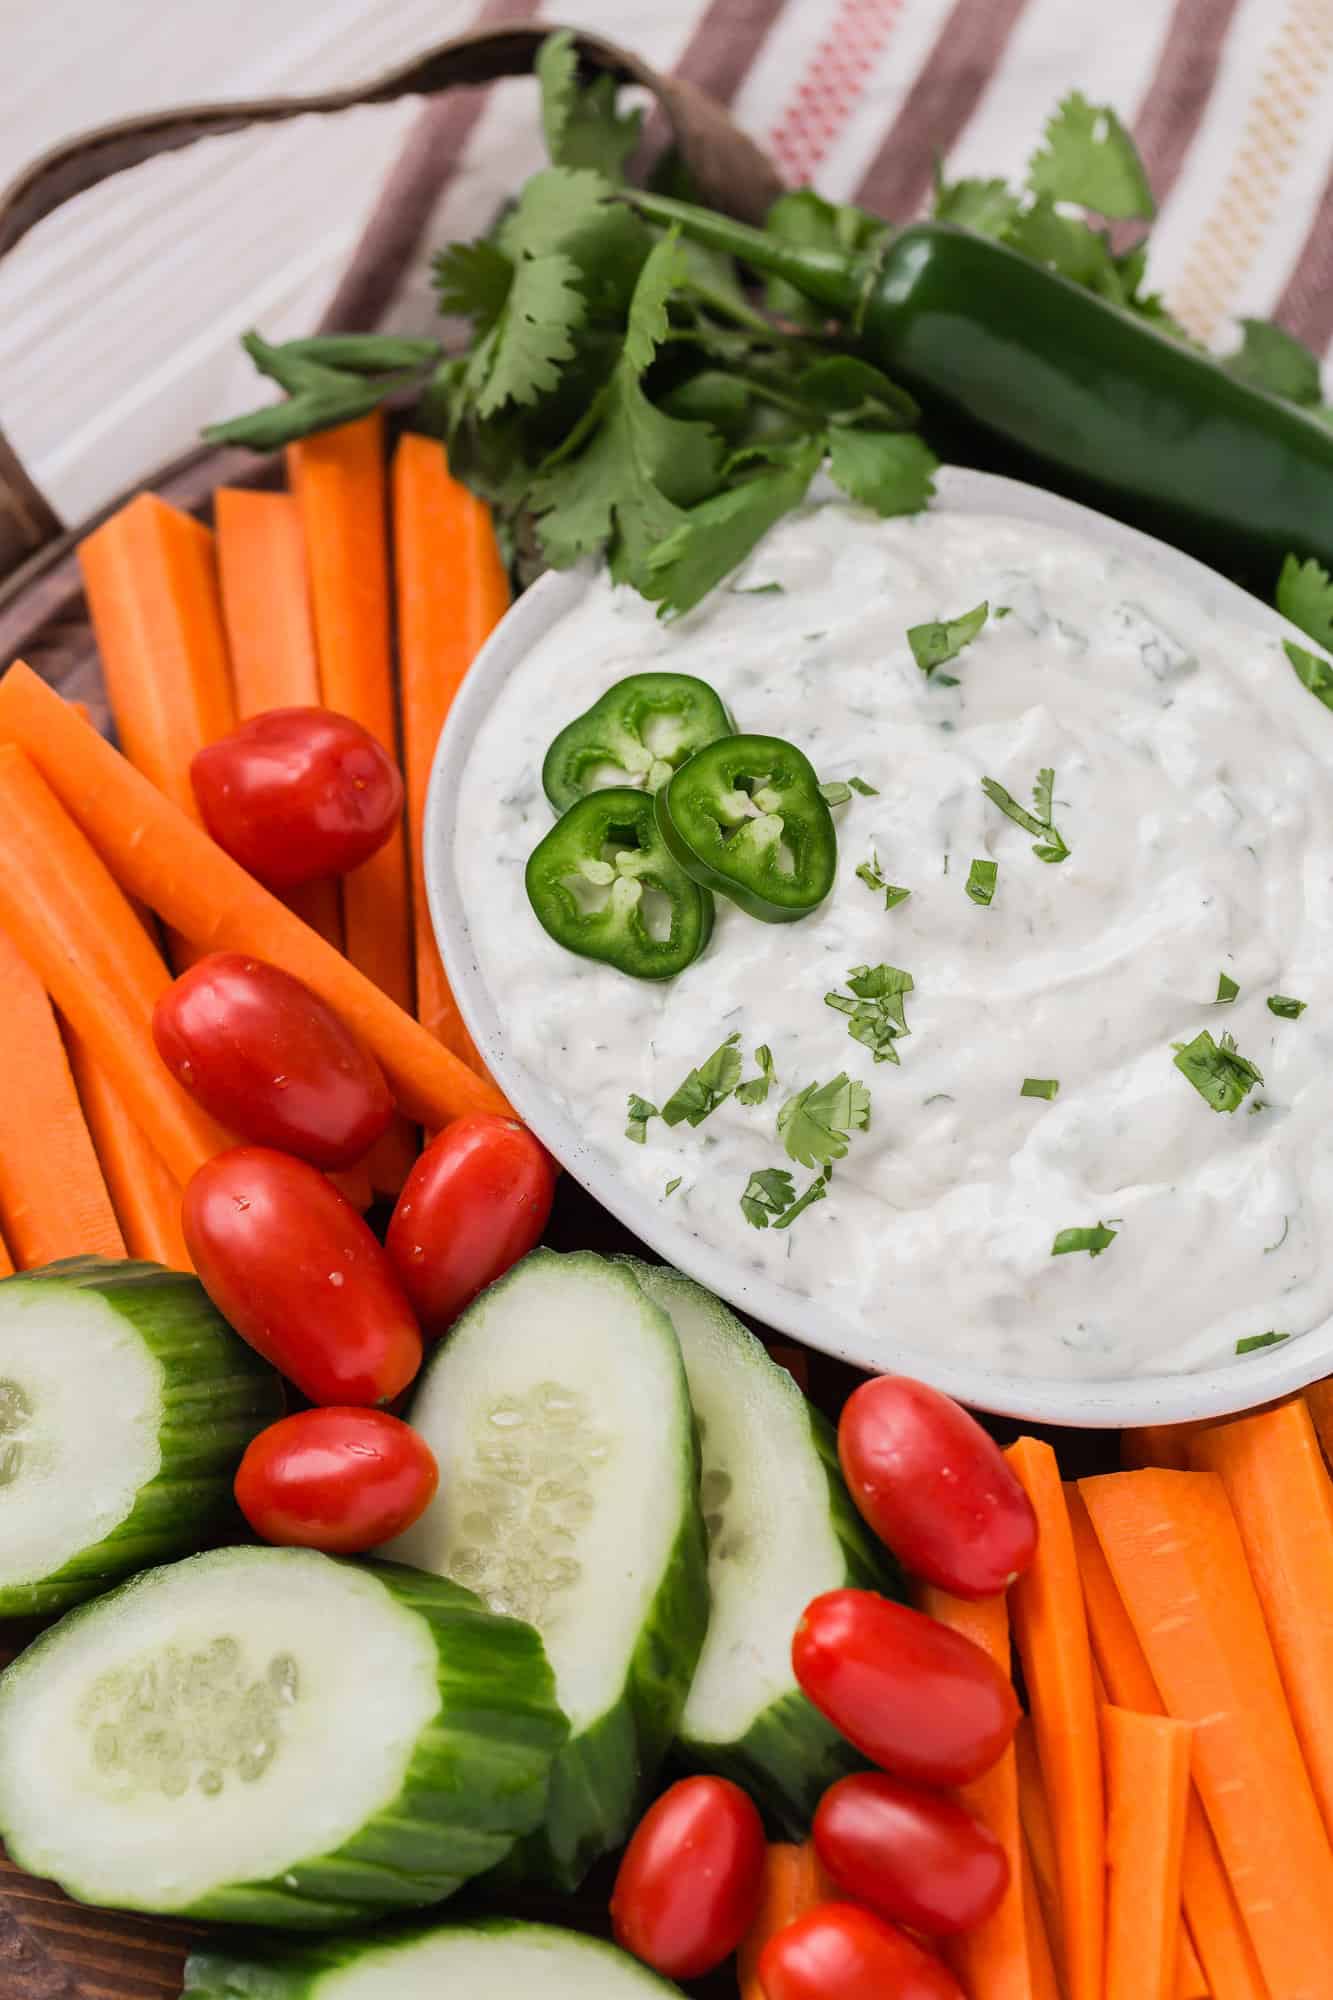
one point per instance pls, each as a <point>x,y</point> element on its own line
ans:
<point>53,1949</point>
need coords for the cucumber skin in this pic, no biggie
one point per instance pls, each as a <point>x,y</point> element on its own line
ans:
<point>464,1801</point>
<point>791,1754</point>
<point>601,1779</point>
<point>290,1971</point>
<point>217,1395</point>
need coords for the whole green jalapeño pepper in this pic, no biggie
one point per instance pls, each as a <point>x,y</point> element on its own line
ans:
<point>603,884</point>
<point>638,733</point>
<point>746,817</point>
<point>1019,370</point>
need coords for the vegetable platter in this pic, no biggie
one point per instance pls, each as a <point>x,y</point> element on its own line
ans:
<point>407,1583</point>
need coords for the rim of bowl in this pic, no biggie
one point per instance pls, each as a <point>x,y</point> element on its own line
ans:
<point>1107,1403</point>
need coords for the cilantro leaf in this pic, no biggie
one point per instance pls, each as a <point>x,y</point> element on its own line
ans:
<point>767,1193</point>
<point>807,220</point>
<point>638,1114</point>
<point>1285,1007</point>
<point>672,1185</point>
<point>1094,1240</point>
<point>988,207</point>
<point>522,356</point>
<point>1316,674</point>
<point>1089,158</point>
<point>980,884</point>
<point>556,206</point>
<point>876,1009</point>
<point>1227,989</point>
<point>846,390</point>
<point>1050,844</point>
<point>472,281</point>
<point>706,1087</point>
<point>1305,595</point>
<point>943,639</point>
<point>891,471</point>
<point>1040,1086</point>
<point>869,873</point>
<point>815,1123</point>
<point>705,544</point>
<point>755,1090</point>
<point>816,1191</point>
<point>1222,1076</point>
<point>1271,358</point>
<point>1256,1340</point>
<point>582,127</point>
<point>1069,246</point>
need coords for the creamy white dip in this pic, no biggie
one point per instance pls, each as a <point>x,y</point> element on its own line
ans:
<point>1194,789</point>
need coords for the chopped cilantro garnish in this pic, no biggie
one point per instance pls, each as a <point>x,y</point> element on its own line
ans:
<point>980,883</point>
<point>1255,1340</point>
<point>1093,1240</point>
<point>1222,1076</point>
<point>815,1123</point>
<point>869,873</point>
<point>706,1087</point>
<point>640,1111</point>
<point>943,639</point>
<point>1050,843</point>
<point>755,1090</point>
<point>671,1186</point>
<point>1039,1086</point>
<point>1089,158</point>
<point>1227,989</point>
<point>773,589</point>
<point>866,791</point>
<point>876,1008</point>
<point>770,1199</point>
<point>1285,1007</point>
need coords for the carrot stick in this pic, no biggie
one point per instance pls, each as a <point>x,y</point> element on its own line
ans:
<point>271,637</point>
<point>1176,1554</point>
<point>1115,1644</point>
<point>1039,1840</point>
<point>1190,1981</point>
<point>992,1959</point>
<point>1163,1445</point>
<point>147,1200</point>
<point>794,1882</point>
<point>1051,1630</point>
<point>53,1200</point>
<point>167,862</point>
<point>1280,1494</point>
<point>1147,1762</point>
<point>1319,1399</point>
<point>1044,1983</point>
<point>150,574</point>
<point>6,1262</point>
<point>64,912</point>
<point>452,592</point>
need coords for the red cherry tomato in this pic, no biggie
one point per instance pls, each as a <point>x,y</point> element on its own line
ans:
<point>838,1952</point>
<point>914,1856</point>
<point>337,1480</point>
<point>935,1487</point>
<point>914,1697</point>
<point>475,1202</point>
<point>689,1885</point>
<point>294,1268</point>
<point>298,793</point>
<point>271,1060</point>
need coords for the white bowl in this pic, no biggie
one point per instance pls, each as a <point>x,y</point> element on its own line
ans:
<point>1130,1400</point>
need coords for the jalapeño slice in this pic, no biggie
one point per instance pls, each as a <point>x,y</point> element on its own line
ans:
<point>637,734</point>
<point>745,816</point>
<point>603,884</point>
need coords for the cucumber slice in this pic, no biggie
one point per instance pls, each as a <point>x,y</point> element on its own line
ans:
<point>782,1528</point>
<point>559,1414</point>
<point>271,1736</point>
<point>126,1402</point>
<point>475,1961</point>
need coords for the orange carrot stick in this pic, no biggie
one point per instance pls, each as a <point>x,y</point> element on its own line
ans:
<point>170,864</point>
<point>1319,1399</point>
<point>452,592</point>
<point>1147,1763</point>
<point>147,1200</point>
<point>992,1959</point>
<point>150,574</point>
<point>1044,1983</point>
<point>339,481</point>
<point>1039,1841</point>
<point>64,912</point>
<point>1280,1494</point>
<point>1190,1981</point>
<point>1232,1972</point>
<point>6,1261</point>
<point>794,1882</point>
<point>271,637</point>
<point>1051,1630</point>
<point>1176,1554</point>
<point>53,1200</point>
